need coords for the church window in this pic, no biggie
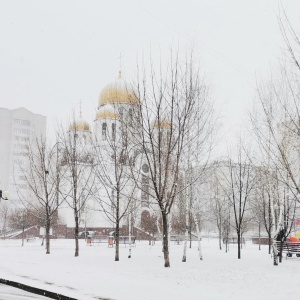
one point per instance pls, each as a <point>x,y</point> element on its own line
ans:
<point>160,135</point>
<point>145,191</point>
<point>168,135</point>
<point>104,126</point>
<point>145,219</point>
<point>130,116</point>
<point>113,131</point>
<point>124,140</point>
<point>145,168</point>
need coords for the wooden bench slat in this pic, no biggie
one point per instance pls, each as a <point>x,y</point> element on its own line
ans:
<point>110,240</point>
<point>289,248</point>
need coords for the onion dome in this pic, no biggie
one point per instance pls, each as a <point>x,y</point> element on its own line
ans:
<point>106,112</point>
<point>80,125</point>
<point>118,92</point>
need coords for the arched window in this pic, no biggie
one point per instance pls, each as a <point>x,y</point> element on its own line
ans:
<point>113,131</point>
<point>130,116</point>
<point>104,126</point>
<point>124,139</point>
<point>145,168</point>
<point>145,191</point>
<point>145,219</point>
<point>168,135</point>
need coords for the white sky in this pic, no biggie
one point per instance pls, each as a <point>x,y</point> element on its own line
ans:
<point>54,53</point>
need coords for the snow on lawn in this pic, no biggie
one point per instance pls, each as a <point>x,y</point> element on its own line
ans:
<point>95,274</point>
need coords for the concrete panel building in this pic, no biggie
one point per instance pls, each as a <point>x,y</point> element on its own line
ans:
<point>17,128</point>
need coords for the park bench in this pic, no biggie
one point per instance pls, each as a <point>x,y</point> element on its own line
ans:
<point>100,239</point>
<point>232,240</point>
<point>175,239</point>
<point>30,238</point>
<point>289,248</point>
<point>125,240</point>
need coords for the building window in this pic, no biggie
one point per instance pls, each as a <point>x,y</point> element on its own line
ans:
<point>104,126</point>
<point>22,122</point>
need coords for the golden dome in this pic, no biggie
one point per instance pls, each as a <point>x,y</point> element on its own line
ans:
<point>106,112</point>
<point>80,125</point>
<point>118,92</point>
<point>106,115</point>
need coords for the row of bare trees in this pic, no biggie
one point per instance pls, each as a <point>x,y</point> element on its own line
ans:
<point>154,153</point>
<point>146,153</point>
<point>276,125</point>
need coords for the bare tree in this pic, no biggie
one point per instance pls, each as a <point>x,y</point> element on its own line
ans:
<point>290,37</point>
<point>218,203</point>
<point>23,219</point>
<point>173,102</point>
<point>275,122</point>
<point>148,223</point>
<point>43,176</point>
<point>241,185</point>
<point>116,190</point>
<point>4,211</point>
<point>78,166</point>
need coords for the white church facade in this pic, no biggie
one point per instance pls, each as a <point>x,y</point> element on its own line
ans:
<point>112,143</point>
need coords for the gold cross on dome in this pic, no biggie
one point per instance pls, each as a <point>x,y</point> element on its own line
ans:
<point>80,111</point>
<point>120,61</point>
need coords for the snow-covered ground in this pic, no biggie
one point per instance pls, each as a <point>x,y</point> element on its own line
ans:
<point>11,293</point>
<point>95,274</point>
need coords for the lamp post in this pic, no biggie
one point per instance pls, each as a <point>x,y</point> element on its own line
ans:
<point>2,196</point>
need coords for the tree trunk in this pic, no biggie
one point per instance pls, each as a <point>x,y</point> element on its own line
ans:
<point>199,238</point>
<point>165,239</point>
<point>117,238</point>
<point>239,244</point>
<point>259,248</point>
<point>185,244</point>
<point>241,240</point>
<point>117,235</point>
<point>280,251</point>
<point>270,242</point>
<point>190,228</point>
<point>275,252</point>
<point>4,225</point>
<point>48,235</point>
<point>23,229</point>
<point>220,239</point>
<point>186,230</point>
<point>76,235</point>
<point>129,234</point>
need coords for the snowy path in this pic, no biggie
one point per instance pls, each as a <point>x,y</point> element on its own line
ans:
<point>95,274</point>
